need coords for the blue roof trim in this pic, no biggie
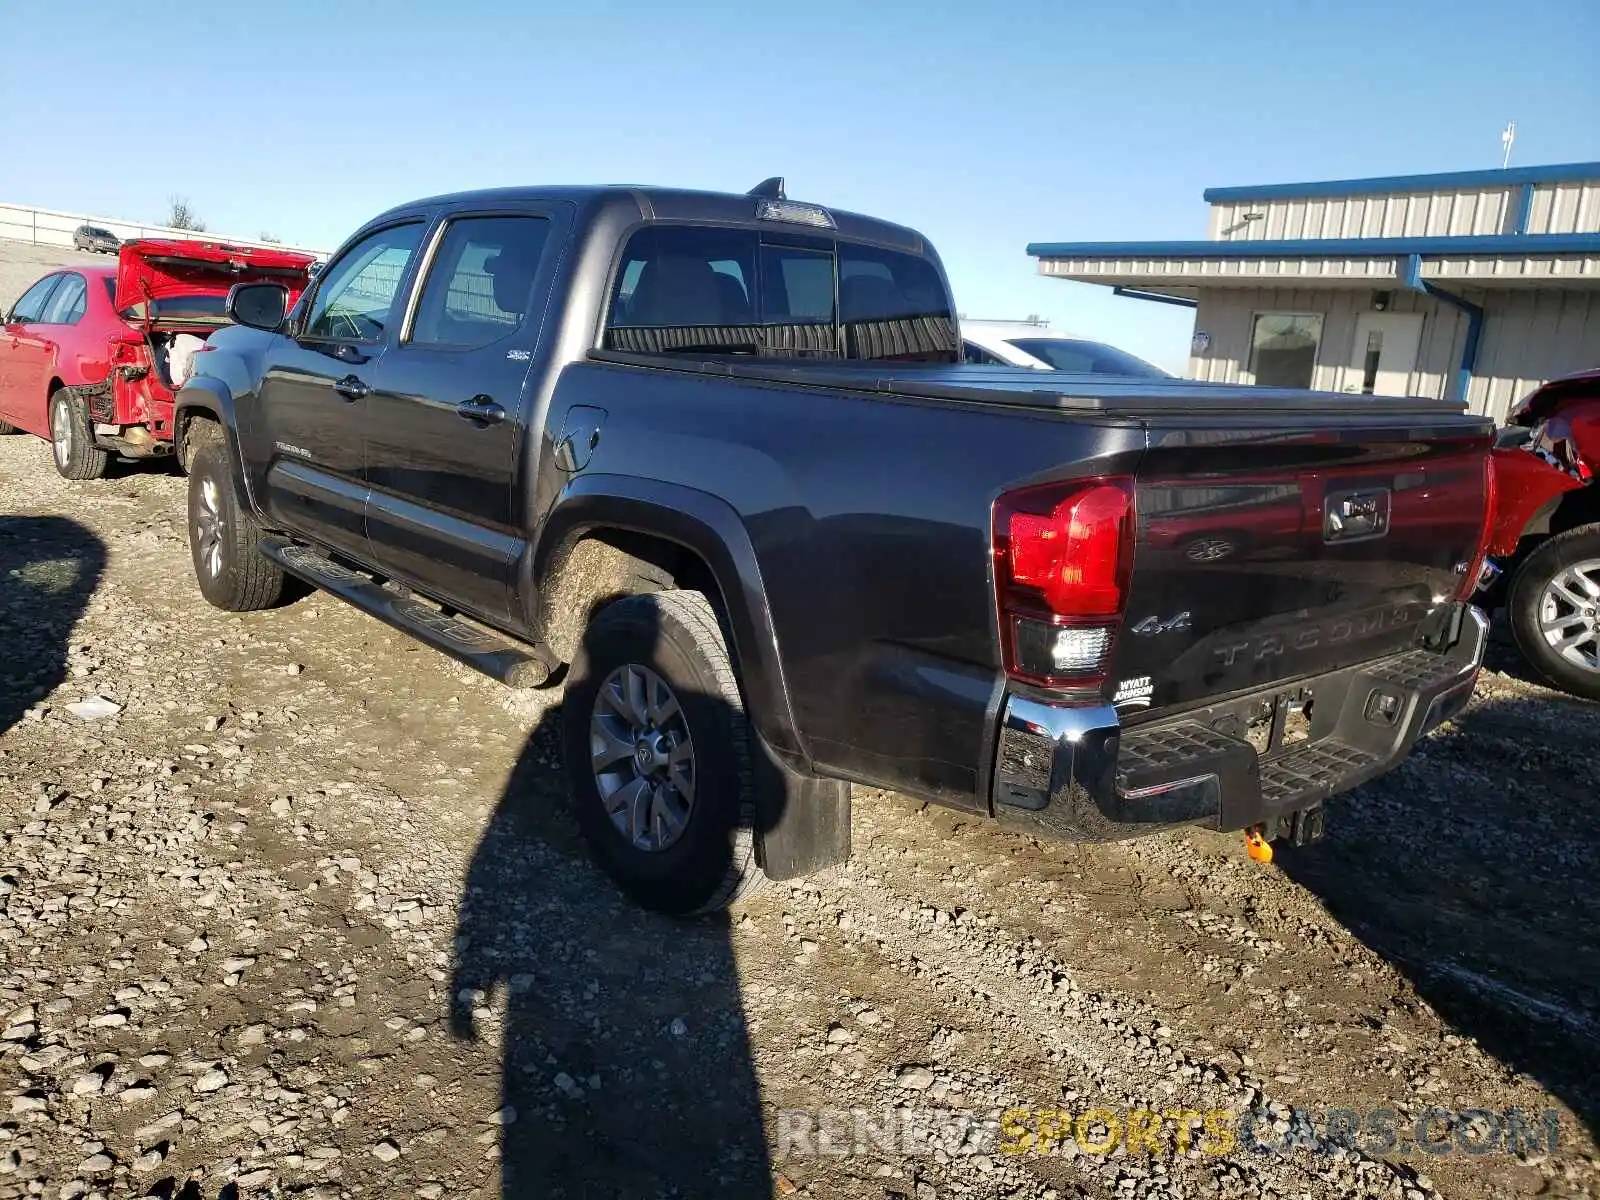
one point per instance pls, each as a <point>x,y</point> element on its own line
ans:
<point>1506,177</point>
<point>1526,243</point>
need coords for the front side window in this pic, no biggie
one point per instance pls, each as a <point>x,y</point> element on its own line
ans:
<point>30,306</point>
<point>68,302</point>
<point>357,292</point>
<point>480,286</point>
<point>729,291</point>
<point>1283,348</point>
<point>978,356</point>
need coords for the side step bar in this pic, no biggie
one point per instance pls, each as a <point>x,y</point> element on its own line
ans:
<point>513,665</point>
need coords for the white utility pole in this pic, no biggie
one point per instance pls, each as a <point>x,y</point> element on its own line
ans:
<point>1508,135</point>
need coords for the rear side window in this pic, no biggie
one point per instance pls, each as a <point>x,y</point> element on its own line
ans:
<point>894,306</point>
<point>67,304</point>
<point>480,286</point>
<point>730,291</point>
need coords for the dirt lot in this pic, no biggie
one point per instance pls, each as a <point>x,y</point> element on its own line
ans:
<point>308,916</point>
<point>21,264</point>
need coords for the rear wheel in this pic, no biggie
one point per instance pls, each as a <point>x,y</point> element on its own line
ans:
<point>72,438</point>
<point>232,572</point>
<point>659,754</point>
<point>1554,605</point>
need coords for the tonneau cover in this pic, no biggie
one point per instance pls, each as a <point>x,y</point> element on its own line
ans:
<point>1026,387</point>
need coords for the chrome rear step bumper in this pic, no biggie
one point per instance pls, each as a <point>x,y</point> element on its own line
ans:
<point>1076,773</point>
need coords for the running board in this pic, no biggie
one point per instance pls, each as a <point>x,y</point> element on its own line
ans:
<point>513,665</point>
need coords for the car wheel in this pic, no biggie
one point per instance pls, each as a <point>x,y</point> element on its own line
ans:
<point>1554,605</point>
<point>6,428</point>
<point>72,438</point>
<point>232,572</point>
<point>659,754</point>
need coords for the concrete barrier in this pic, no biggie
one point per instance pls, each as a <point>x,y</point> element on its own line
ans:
<point>47,227</point>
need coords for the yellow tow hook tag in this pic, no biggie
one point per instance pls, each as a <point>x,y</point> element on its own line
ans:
<point>1257,846</point>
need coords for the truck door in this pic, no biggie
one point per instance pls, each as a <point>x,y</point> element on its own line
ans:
<point>448,413</point>
<point>315,384</point>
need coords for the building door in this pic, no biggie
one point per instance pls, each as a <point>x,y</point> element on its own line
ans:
<point>1384,354</point>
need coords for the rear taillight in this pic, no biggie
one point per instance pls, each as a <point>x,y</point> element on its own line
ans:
<point>1062,555</point>
<point>1471,580</point>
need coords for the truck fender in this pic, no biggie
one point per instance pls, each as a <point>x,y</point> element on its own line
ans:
<point>1525,487</point>
<point>208,398</point>
<point>709,528</point>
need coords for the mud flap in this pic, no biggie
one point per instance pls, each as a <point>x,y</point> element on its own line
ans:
<point>802,823</point>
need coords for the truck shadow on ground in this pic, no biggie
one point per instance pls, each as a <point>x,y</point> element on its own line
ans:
<point>626,1065</point>
<point>1472,868</point>
<point>49,567</point>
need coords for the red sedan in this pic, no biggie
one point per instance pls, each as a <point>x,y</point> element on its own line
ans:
<point>90,357</point>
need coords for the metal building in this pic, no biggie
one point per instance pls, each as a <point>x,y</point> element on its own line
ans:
<point>1475,284</point>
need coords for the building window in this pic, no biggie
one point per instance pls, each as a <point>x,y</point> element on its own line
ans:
<point>1283,348</point>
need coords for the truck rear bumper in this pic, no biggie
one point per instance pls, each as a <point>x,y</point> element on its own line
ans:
<point>1076,773</point>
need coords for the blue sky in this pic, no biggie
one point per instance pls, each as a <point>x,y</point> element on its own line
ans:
<point>985,125</point>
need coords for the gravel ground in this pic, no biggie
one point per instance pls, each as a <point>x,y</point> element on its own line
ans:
<point>21,264</point>
<point>306,915</point>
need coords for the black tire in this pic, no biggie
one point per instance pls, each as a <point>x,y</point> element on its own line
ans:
<point>1527,600</point>
<point>675,635</point>
<point>6,428</point>
<point>72,446</point>
<point>232,572</point>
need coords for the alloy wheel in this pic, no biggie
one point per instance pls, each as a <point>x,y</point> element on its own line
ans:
<point>209,527</point>
<point>642,757</point>
<point>1569,614</point>
<point>1208,549</point>
<point>61,433</point>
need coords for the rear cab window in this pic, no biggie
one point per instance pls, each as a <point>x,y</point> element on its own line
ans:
<point>710,290</point>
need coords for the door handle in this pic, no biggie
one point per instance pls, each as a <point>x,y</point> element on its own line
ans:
<point>351,388</point>
<point>481,411</point>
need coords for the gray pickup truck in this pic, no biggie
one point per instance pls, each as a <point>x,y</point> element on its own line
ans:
<point>716,458</point>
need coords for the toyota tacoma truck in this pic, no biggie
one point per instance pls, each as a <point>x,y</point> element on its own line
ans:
<point>714,459</point>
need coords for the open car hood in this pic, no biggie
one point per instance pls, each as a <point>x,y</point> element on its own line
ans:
<point>150,272</point>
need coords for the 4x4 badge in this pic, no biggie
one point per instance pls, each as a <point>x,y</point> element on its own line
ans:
<point>1154,625</point>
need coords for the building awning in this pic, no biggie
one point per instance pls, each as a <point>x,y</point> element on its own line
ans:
<point>1184,268</point>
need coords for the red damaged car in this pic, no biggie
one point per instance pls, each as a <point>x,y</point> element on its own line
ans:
<point>90,357</point>
<point>1546,530</point>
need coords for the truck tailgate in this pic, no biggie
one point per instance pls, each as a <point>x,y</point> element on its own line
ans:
<point>1266,553</point>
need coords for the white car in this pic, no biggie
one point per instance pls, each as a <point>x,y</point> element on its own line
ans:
<point>1043,349</point>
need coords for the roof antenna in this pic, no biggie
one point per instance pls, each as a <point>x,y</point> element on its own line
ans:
<point>769,189</point>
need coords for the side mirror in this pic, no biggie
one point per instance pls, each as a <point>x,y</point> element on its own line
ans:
<point>258,305</point>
